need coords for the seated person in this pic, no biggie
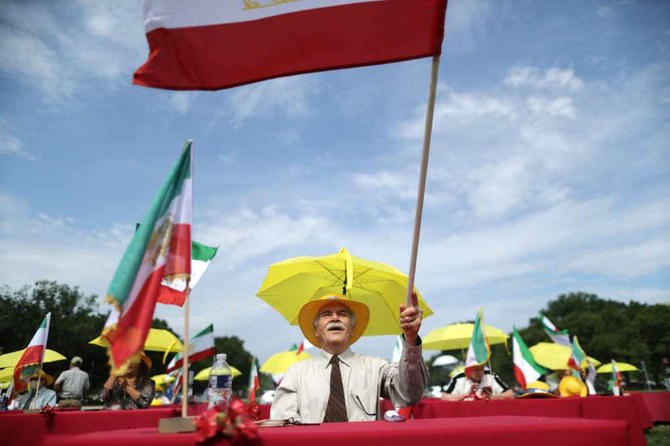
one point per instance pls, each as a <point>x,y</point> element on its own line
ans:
<point>481,385</point>
<point>132,390</point>
<point>36,398</point>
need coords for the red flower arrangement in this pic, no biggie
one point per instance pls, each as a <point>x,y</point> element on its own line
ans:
<point>236,423</point>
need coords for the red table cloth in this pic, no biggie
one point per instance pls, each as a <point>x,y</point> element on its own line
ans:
<point>498,431</point>
<point>657,404</point>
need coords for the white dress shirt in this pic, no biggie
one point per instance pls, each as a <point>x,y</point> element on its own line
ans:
<point>304,391</point>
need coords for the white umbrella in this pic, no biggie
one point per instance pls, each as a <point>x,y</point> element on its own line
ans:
<point>444,360</point>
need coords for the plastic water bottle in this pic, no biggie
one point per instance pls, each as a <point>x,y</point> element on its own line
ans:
<point>220,383</point>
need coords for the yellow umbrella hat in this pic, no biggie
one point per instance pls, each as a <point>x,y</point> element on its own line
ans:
<point>11,359</point>
<point>458,336</point>
<point>555,356</point>
<point>280,362</point>
<point>203,375</point>
<point>292,283</point>
<point>158,340</point>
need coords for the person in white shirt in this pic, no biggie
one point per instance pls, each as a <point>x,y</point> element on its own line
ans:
<point>36,398</point>
<point>340,385</point>
<point>72,384</point>
<point>480,385</point>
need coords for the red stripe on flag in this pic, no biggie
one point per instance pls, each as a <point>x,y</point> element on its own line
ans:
<point>520,378</point>
<point>222,56</point>
<point>133,327</point>
<point>198,356</point>
<point>179,257</point>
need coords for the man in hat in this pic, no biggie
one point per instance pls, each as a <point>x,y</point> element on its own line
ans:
<point>340,385</point>
<point>36,398</point>
<point>480,385</point>
<point>72,384</point>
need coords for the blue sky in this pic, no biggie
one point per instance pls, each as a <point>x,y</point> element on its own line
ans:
<point>549,169</point>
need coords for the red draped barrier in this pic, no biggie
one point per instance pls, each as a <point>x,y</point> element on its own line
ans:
<point>499,431</point>
<point>657,404</point>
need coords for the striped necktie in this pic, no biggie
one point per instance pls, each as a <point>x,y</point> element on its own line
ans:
<point>336,410</point>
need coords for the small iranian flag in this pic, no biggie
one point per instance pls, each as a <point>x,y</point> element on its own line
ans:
<point>479,350</point>
<point>200,346</point>
<point>254,382</point>
<point>526,370</point>
<point>173,292</point>
<point>160,248</point>
<point>577,355</point>
<point>33,356</point>
<point>558,336</point>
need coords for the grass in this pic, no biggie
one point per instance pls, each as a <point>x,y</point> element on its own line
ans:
<point>659,436</point>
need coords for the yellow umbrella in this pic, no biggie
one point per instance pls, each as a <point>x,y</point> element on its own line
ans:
<point>555,356</point>
<point>291,283</point>
<point>10,359</point>
<point>605,368</point>
<point>6,374</point>
<point>456,371</point>
<point>203,375</point>
<point>158,340</point>
<point>280,362</point>
<point>163,378</point>
<point>458,336</point>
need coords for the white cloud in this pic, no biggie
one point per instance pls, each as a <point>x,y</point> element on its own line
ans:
<point>286,97</point>
<point>180,102</point>
<point>10,144</point>
<point>560,107</point>
<point>553,78</point>
<point>102,41</point>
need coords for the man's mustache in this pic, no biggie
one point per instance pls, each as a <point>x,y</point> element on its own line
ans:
<point>335,326</point>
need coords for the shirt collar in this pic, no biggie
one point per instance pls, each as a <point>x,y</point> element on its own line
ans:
<point>345,357</point>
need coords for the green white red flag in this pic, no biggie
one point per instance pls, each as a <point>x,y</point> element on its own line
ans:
<point>33,356</point>
<point>160,248</point>
<point>526,369</point>
<point>214,44</point>
<point>558,336</point>
<point>174,290</point>
<point>200,346</point>
<point>254,381</point>
<point>479,351</point>
<point>577,355</point>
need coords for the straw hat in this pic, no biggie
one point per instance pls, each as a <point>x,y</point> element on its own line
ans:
<point>43,375</point>
<point>572,386</point>
<point>538,389</point>
<point>311,309</point>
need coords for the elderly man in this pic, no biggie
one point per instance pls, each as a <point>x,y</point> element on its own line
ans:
<point>480,385</point>
<point>36,398</point>
<point>340,385</point>
<point>72,384</point>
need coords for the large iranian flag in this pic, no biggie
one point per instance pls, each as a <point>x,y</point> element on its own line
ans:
<point>173,290</point>
<point>160,249</point>
<point>214,44</point>
<point>526,370</point>
<point>33,356</point>
<point>558,336</point>
<point>479,350</point>
<point>200,346</point>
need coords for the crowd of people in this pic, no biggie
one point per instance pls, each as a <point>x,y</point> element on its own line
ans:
<point>337,385</point>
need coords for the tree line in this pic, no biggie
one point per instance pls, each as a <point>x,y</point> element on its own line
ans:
<point>631,332</point>
<point>628,332</point>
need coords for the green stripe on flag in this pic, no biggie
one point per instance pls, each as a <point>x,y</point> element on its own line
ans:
<point>202,252</point>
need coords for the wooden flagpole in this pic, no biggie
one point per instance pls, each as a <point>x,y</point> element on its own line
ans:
<point>184,385</point>
<point>428,130</point>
